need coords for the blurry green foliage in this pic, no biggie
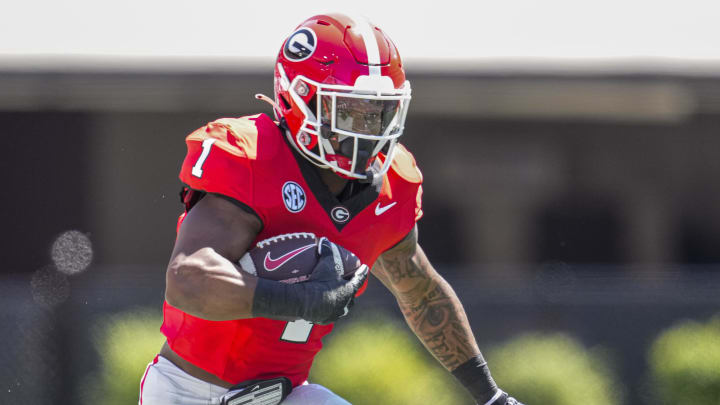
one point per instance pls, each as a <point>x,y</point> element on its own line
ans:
<point>126,342</point>
<point>685,363</point>
<point>553,369</point>
<point>374,360</point>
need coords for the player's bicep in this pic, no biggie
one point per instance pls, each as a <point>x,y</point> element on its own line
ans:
<point>217,223</point>
<point>202,277</point>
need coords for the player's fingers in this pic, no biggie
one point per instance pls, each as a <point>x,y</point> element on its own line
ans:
<point>349,305</point>
<point>359,277</point>
<point>337,261</point>
<point>329,257</point>
<point>323,247</point>
<point>324,269</point>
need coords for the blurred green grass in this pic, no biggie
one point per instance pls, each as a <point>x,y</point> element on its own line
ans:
<point>554,369</point>
<point>377,360</point>
<point>685,363</point>
<point>126,342</point>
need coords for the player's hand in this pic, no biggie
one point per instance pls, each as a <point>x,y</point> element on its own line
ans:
<point>327,295</point>
<point>323,299</point>
<point>502,398</point>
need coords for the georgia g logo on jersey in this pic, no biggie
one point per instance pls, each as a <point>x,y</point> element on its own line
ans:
<point>340,214</point>
<point>300,45</point>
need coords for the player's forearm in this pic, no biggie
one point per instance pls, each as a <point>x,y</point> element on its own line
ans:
<point>435,314</point>
<point>207,285</point>
<point>431,307</point>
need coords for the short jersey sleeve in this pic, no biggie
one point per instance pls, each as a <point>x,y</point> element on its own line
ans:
<point>220,159</point>
<point>418,204</point>
<point>405,166</point>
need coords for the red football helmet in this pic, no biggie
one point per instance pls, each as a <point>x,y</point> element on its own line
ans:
<point>340,88</point>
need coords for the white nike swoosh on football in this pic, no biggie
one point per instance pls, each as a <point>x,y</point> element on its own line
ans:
<point>379,210</point>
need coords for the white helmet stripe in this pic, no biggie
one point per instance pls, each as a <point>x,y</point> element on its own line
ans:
<point>371,46</point>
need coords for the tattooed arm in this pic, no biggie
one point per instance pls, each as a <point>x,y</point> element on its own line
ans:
<point>431,308</point>
<point>434,312</point>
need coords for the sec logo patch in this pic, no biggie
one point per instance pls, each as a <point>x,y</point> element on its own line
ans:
<point>293,196</point>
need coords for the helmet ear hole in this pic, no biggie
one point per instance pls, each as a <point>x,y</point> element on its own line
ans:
<point>312,103</point>
<point>324,128</point>
<point>284,102</point>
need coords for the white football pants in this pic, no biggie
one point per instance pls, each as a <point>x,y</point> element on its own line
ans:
<point>165,384</point>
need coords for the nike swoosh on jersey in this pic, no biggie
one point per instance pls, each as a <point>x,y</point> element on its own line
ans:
<point>273,264</point>
<point>379,210</point>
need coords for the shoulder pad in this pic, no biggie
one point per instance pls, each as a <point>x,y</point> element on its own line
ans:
<point>222,155</point>
<point>236,136</point>
<point>404,165</point>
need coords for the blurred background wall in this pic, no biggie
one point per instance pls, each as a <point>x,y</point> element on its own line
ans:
<point>559,196</point>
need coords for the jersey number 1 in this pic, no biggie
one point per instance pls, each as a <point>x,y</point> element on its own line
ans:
<point>197,170</point>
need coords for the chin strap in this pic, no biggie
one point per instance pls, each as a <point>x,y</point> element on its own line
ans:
<point>369,177</point>
<point>372,177</point>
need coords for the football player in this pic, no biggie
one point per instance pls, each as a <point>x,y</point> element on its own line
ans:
<point>330,163</point>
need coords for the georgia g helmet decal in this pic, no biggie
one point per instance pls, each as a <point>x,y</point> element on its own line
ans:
<point>340,88</point>
<point>300,45</point>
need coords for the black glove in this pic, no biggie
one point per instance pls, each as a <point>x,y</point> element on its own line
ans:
<point>323,299</point>
<point>502,398</point>
<point>326,280</point>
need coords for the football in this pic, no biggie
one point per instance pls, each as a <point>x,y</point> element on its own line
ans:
<point>291,258</point>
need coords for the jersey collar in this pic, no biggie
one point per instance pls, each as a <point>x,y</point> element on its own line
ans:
<point>335,208</point>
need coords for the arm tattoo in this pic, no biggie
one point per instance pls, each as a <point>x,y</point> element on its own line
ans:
<point>429,304</point>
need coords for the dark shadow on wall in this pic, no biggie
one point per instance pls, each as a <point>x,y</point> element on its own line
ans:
<point>45,178</point>
<point>580,227</point>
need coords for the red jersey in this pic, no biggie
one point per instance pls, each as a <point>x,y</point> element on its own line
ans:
<point>250,161</point>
